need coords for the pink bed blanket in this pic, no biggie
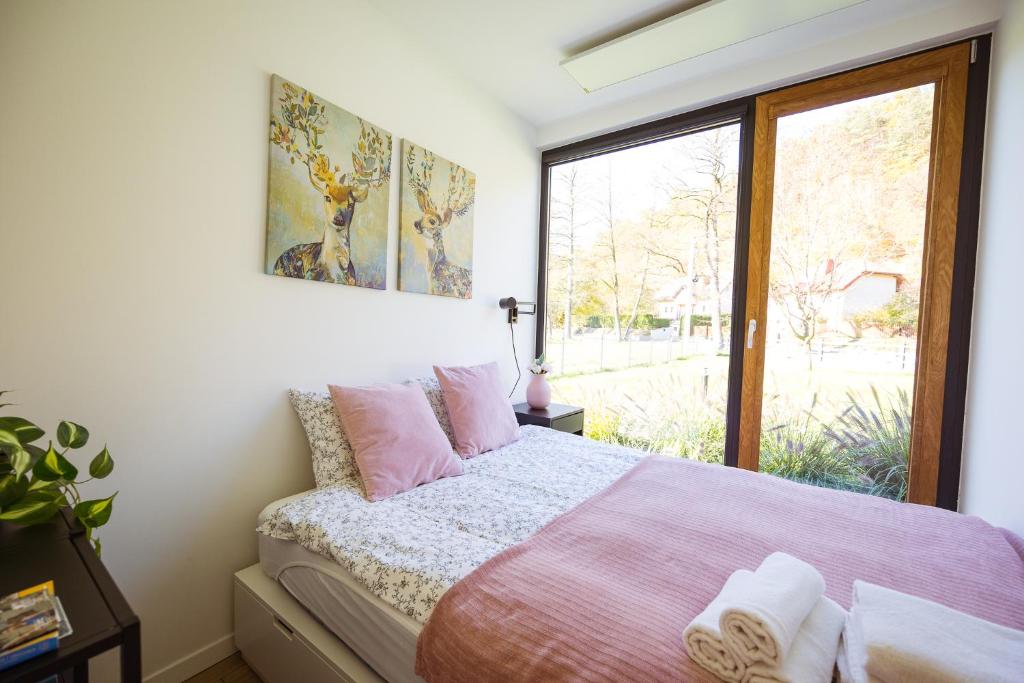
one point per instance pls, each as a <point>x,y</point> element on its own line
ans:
<point>603,592</point>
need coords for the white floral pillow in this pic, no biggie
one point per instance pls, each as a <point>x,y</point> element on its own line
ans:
<point>333,461</point>
<point>432,388</point>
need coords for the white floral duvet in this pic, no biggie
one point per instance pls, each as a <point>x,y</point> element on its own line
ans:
<point>410,548</point>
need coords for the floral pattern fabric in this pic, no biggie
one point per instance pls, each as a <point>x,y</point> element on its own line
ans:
<point>432,388</point>
<point>333,460</point>
<point>411,548</point>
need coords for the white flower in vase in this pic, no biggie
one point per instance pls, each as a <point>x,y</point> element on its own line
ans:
<point>540,367</point>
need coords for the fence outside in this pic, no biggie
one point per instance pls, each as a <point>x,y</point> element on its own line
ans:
<point>600,351</point>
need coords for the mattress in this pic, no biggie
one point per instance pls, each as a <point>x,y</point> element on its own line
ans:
<point>381,635</point>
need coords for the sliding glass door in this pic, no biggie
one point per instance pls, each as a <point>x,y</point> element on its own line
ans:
<point>780,283</point>
<point>852,234</point>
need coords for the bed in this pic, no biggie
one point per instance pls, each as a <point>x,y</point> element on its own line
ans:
<point>373,573</point>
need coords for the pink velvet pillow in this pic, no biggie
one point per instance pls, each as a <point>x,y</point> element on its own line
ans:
<point>482,417</point>
<point>397,441</point>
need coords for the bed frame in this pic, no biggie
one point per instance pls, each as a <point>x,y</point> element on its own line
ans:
<point>284,643</point>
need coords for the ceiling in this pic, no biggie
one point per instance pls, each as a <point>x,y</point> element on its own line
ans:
<point>513,49</point>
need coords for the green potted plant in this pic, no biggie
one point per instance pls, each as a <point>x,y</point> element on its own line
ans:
<point>36,482</point>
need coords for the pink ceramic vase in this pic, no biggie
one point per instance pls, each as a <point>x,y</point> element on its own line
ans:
<point>538,392</point>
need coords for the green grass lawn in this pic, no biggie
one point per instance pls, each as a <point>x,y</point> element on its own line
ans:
<point>678,408</point>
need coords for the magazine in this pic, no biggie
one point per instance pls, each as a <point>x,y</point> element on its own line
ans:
<point>32,621</point>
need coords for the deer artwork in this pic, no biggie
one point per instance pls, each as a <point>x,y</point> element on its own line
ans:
<point>444,277</point>
<point>330,259</point>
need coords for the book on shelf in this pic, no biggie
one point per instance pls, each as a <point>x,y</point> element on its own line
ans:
<point>32,622</point>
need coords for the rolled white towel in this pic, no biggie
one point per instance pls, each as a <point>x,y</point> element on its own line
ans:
<point>760,623</point>
<point>704,639</point>
<point>895,637</point>
<point>812,657</point>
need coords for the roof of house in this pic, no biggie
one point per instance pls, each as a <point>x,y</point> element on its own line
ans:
<point>849,273</point>
<point>672,290</point>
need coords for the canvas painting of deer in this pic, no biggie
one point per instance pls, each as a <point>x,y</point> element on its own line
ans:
<point>436,236</point>
<point>327,208</point>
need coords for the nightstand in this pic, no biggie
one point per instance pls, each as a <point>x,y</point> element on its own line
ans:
<point>555,416</point>
<point>98,612</point>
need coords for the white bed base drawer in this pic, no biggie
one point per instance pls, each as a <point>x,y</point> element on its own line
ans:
<point>283,643</point>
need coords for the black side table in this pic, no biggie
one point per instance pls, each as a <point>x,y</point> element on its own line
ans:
<point>100,616</point>
<point>555,416</point>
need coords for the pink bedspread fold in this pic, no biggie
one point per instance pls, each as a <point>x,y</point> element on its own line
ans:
<point>603,592</point>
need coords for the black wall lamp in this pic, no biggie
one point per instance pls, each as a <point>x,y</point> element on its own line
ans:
<point>510,304</point>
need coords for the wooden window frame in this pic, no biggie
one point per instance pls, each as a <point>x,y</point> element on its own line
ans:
<point>966,234</point>
<point>946,68</point>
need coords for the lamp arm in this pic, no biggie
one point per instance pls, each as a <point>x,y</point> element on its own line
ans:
<point>531,304</point>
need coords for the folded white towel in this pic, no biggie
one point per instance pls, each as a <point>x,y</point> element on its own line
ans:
<point>704,639</point>
<point>760,623</point>
<point>895,637</point>
<point>812,657</point>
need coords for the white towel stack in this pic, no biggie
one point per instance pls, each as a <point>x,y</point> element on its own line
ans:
<point>894,637</point>
<point>774,624</point>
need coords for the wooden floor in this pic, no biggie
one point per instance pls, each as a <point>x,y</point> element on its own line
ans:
<point>230,670</point>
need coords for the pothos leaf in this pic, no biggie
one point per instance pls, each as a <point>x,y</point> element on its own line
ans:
<point>35,507</point>
<point>53,466</point>
<point>102,464</point>
<point>94,513</point>
<point>37,484</point>
<point>35,451</point>
<point>12,487</point>
<point>9,443</point>
<point>21,461</point>
<point>71,435</point>
<point>23,430</point>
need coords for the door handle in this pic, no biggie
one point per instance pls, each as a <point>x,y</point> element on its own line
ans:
<point>751,329</point>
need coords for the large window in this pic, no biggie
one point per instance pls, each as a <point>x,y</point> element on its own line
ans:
<point>835,220</point>
<point>639,299</point>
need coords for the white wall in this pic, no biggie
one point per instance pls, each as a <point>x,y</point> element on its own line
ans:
<point>993,465</point>
<point>133,173</point>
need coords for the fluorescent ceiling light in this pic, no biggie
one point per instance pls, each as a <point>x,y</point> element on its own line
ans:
<point>702,29</point>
